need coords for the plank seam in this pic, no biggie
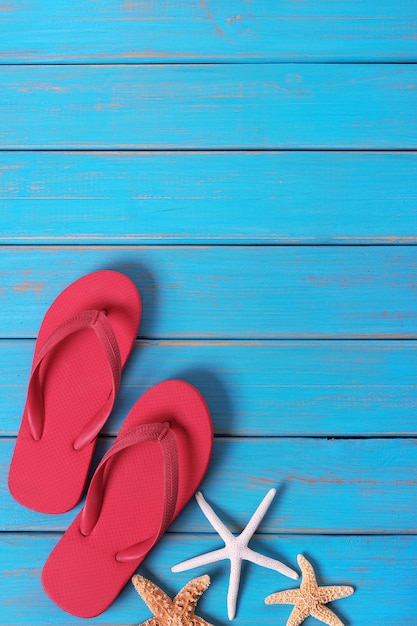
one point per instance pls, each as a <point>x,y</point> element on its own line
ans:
<point>216,150</point>
<point>228,61</point>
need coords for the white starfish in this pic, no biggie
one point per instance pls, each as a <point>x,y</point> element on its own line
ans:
<point>236,549</point>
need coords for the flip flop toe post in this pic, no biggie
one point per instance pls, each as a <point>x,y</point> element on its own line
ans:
<point>142,483</point>
<point>83,343</point>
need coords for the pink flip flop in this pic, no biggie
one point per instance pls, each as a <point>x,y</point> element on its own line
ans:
<point>83,343</point>
<point>153,468</point>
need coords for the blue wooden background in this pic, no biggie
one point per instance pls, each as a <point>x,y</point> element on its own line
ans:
<point>252,166</point>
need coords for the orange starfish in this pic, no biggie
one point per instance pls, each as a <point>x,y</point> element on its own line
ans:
<point>176,612</point>
<point>310,599</point>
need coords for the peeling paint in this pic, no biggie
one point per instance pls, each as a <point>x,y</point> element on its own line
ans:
<point>232,19</point>
<point>29,286</point>
<point>218,30</point>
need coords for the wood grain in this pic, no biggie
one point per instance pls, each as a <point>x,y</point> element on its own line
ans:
<point>208,197</point>
<point>370,564</point>
<point>259,388</point>
<point>263,106</point>
<point>212,30</point>
<point>368,485</point>
<point>203,130</point>
<point>228,292</point>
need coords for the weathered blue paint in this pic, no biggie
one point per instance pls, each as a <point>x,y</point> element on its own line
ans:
<point>367,484</point>
<point>121,81</point>
<point>209,106</point>
<point>228,292</point>
<point>381,569</point>
<point>260,388</point>
<point>208,197</point>
<point>212,30</point>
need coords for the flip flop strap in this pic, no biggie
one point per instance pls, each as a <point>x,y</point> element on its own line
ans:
<point>35,410</point>
<point>162,434</point>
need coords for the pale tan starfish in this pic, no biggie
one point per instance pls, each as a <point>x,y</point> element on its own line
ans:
<point>176,612</point>
<point>310,599</point>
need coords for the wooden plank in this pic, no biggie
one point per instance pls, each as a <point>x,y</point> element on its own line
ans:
<point>369,485</point>
<point>80,32</point>
<point>276,388</point>
<point>381,569</point>
<point>204,292</point>
<point>245,197</point>
<point>209,106</point>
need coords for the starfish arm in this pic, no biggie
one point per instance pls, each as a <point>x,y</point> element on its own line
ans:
<point>265,561</point>
<point>202,559</point>
<point>289,596</point>
<point>186,600</point>
<point>298,615</point>
<point>214,520</point>
<point>233,591</point>
<point>328,594</point>
<point>151,622</point>
<point>325,615</point>
<point>309,582</point>
<point>157,601</point>
<point>257,517</point>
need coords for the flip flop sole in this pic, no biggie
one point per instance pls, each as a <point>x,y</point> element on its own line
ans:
<point>82,574</point>
<point>48,475</point>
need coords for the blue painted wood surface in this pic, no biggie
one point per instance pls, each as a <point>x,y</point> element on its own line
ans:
<point>256,388</point>
<point>381,568</point>
<point>231,106</point>
<point>230,292</point>
<point>367,485</point>
<point>208,197</point>
<point>279,138</point>
<point>214,30</point>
